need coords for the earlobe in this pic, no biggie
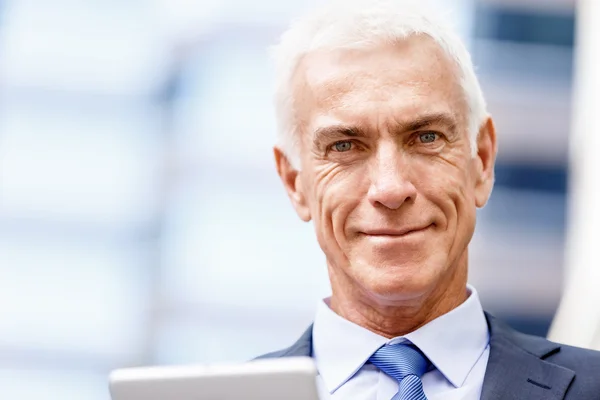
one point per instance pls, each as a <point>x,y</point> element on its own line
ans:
<point>292,182</point>
<point>487,148</point>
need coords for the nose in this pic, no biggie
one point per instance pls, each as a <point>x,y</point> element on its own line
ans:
<point>390,184</point>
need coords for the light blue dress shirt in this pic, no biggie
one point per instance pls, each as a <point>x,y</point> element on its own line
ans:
<point>457,343</point>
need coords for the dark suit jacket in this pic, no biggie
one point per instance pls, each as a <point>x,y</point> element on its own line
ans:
<point>520,366</point>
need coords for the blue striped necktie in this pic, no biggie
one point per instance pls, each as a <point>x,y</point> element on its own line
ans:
<point>406,364</point>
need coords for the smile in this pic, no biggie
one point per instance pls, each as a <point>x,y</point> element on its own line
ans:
<point>394,233</point>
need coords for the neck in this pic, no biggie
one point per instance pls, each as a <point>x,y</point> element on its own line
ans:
<point>392,318</point>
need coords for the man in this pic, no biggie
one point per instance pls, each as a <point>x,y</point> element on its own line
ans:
<point>386,145</point>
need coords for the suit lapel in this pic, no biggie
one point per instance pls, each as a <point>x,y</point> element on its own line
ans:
<point>516,368</point>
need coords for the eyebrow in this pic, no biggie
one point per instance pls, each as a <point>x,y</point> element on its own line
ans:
<point>430,119</point>
<point>334,132</point>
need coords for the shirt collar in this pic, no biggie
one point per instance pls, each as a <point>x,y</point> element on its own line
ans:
<point>462,331</point>
<point>341,347</point>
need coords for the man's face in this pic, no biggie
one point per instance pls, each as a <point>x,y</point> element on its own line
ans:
<point>387,172</point>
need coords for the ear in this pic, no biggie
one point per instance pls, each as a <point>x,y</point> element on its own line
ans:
<point>293,184</point>
<point>485,160</point>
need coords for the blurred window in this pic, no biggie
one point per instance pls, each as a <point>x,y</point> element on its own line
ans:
<point>525,25</point>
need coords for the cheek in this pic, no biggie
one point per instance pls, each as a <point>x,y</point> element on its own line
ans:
<point>449,188</point>
<point>461,215</point>
<point>336,193</point>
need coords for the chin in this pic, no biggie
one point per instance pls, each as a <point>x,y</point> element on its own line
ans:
<point>397,281</point>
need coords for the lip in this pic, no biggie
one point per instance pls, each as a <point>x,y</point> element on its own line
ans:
<point>394,232</point>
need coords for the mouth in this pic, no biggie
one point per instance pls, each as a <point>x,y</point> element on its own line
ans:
<point>394,232</point>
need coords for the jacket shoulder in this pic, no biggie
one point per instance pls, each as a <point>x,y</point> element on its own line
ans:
<point>577,358</point>
<point>586,364</point>
<point>302,348</point>
<point>274,354</point>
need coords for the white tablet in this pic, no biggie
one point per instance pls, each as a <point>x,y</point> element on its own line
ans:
<point>270,379</point>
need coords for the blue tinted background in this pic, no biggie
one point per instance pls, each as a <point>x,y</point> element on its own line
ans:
<point>141,219</point>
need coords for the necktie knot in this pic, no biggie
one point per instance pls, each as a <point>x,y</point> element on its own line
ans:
<point>400,360</point>
<point>406,364</point>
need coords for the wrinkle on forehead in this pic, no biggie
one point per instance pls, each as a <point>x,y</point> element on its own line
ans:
<point>341,79</point>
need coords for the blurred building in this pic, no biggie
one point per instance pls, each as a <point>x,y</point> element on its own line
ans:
<point>141,218</point>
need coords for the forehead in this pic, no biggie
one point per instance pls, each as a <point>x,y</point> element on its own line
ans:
<point>400,80</point>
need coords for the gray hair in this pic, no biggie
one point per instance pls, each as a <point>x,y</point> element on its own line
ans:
<point>356,24</point>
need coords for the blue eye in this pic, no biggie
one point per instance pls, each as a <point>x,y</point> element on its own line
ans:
<point>428,137</point>
<point>342,146</point>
